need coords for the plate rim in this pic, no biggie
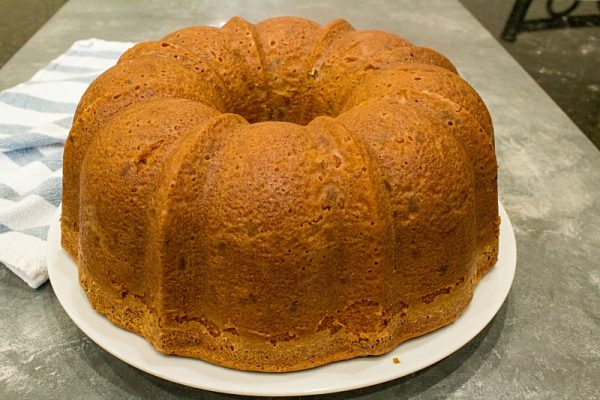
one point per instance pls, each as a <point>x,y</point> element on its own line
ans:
<point>282,387</point>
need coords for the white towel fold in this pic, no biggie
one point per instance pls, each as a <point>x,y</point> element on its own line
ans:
<point>35,118</point>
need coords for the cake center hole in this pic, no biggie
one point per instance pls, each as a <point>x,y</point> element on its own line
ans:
<point>297,105</point>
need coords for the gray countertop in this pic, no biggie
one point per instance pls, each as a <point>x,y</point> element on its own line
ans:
<point>545,340</point>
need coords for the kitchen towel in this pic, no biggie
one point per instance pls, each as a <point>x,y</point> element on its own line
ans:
<point>35,118</point>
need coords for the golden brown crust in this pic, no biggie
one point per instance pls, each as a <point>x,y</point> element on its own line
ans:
<point>423,78</point>
<point>124,167</point>
<point>252,94</point>
<point>284,68</point>
<point>212,78</point>
<point>360,214</point>
<point>193,338</point>
<point>129,82</point>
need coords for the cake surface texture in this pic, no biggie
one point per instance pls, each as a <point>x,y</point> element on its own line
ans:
<point>281,195</point>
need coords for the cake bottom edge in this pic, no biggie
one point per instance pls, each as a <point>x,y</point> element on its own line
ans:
<point>228,349</point>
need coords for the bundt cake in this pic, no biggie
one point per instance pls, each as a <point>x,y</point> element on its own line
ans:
<point>278,196</point>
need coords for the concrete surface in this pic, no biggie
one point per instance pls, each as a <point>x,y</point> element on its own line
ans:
<point>19,20</point>
<point>544,342</point>
<point>564,62</point>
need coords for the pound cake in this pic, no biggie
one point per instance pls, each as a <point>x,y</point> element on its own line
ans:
<point>278,196</point>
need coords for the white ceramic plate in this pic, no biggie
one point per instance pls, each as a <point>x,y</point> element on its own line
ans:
<point>339,376</point>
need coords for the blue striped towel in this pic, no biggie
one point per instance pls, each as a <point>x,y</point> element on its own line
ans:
<point>35,118</point>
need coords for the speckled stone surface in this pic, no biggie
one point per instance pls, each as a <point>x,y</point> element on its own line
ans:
<point>545,340</point>
<point>19,19</point>
<point>565,62</point>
